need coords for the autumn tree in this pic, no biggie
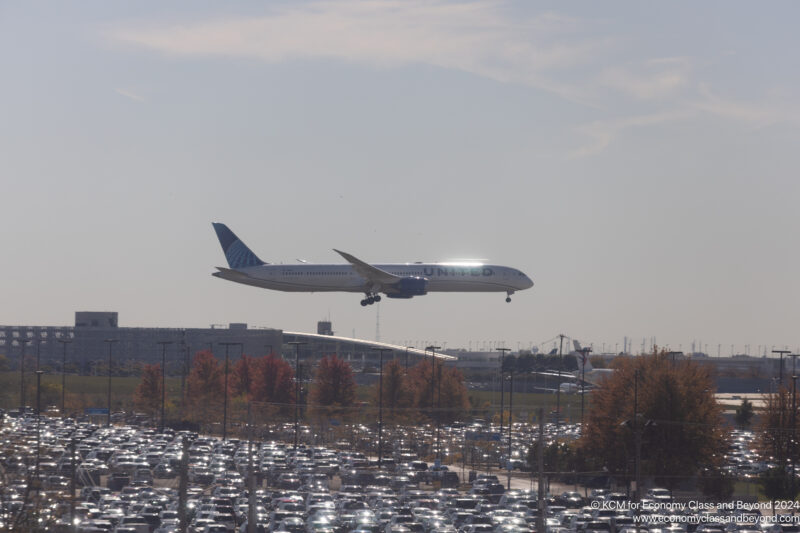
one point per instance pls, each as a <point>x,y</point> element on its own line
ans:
<point>205,385</point>
<point>333,391</point>
<point>396,394</point>
<point>242,376</point>
<point>438,390</point>
<point>558,456</point>
<point>681,424</point>
<point>422,386</point>
<point>452,398</point>
<point>775,427</point>
<point>273,382</point>
<point>777,484</point>
<point>148,392</point>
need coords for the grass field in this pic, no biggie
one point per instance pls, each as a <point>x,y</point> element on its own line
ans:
<point>91,391</point>
<point>81,391</point>
<point>525,404</point>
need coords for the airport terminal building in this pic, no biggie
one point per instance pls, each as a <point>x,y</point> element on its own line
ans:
<point>87,345</point>
<point>97,335</point>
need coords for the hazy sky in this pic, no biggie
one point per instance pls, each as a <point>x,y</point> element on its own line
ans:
<point>639,161</point>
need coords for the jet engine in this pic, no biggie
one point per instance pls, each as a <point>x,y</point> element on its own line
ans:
<point>408,288</point>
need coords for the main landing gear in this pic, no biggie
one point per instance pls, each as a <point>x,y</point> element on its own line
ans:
<point>370,299</point>
<point>508,297</point>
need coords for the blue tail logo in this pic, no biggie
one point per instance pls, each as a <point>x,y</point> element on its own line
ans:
<point>236,252</point>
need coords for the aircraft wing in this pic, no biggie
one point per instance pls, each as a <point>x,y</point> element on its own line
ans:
<point>373,274</point>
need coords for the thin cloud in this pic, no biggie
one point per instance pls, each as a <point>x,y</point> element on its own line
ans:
<point>549,51</point>
<point>474,37</point>
<point>129,94</point>
<point>602,133</point>
<point>757,115</point>
<point>655,79</point>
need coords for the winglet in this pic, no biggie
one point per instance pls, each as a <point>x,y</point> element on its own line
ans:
<point>236,252</point>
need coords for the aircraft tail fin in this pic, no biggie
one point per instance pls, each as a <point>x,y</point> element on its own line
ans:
<point>584,356</point>
<point>236,252</point>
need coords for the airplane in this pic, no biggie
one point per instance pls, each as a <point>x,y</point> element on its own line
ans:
<point>570,388</point>
<point>400,280</point>
<point>586,373</point>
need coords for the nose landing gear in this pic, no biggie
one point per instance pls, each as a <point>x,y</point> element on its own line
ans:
<point>508,296</point>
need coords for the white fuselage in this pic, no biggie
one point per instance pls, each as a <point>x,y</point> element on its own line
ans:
<point>441,277</point>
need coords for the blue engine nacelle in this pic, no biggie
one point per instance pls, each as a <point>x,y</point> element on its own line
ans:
<point>409,287</point>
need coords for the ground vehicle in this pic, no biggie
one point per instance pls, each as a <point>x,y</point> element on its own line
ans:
<point>138,522</point>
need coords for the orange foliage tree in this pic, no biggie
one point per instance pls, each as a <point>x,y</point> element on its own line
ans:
<point>422,386</point>
<point>454,398</point>
<point>148,392</point>
<point>334,388</point>
<point>272,382</point>
<point>775,426</point>
<point>438,390</point>
<point>205,385</point>
<point>396,394</point>
<point>242,376</point>
<point>680,421</point>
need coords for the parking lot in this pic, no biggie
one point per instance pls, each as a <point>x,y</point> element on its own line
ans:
<point>129,479</point>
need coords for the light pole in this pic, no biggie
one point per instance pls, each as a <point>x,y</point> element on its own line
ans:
<point>584,356</point>
<point>433,377</point>
<point>72,445</point>
<point>638,436</point>
<point>380,407</point>
<point>163,378</point>
<point>502,385</point>
<point>558,385</point>
<point>433,371</point>
<point>791,449</point>
<point>780,368</point>
<point>38,425</point>
<point>23,342</point>
<point>794,442</point>
<point>64,343</point>
<point>251,476</point>
<point>439,415</point>
<point>638,427</point>
<point>510,421</point>
<point>296,345</point>
<point>110,343</point>
<point>794,357</point>
<point>225,397</point>
<point>184,370</point>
